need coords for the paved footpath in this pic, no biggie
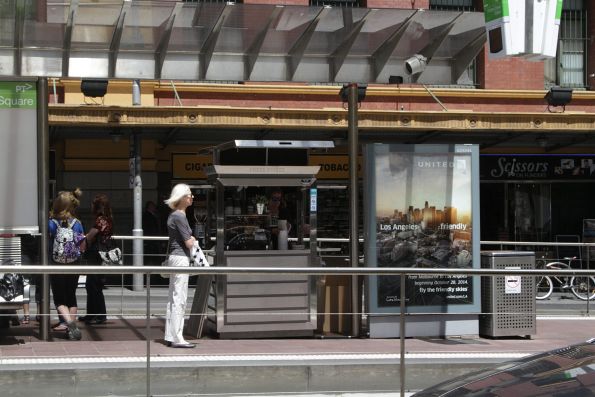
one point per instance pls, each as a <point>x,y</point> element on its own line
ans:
<point>118,350</point>
<point>121,337</point>
<point>111,359</point>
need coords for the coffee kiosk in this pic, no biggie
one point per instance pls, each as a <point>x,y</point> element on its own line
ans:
<point>257,207</point>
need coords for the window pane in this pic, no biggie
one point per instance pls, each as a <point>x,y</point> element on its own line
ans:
<point>568,69</point>
<point>458,5</point>
<point>335,3</point>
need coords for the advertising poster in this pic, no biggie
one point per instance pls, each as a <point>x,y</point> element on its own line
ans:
<point>423,209</point>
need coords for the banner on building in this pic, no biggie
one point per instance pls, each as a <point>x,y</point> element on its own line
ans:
<point>18,157</point>
<point>527,28</point>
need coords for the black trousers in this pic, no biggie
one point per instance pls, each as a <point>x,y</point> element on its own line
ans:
<point>95,299</point>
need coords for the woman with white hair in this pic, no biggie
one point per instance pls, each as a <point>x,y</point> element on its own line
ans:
<point>180,244</point>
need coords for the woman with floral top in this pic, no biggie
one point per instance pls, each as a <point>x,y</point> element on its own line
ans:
<point>98,237</point>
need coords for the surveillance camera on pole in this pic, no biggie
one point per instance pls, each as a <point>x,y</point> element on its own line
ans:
<point>416,64</point>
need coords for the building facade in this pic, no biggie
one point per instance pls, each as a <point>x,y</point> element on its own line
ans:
<point>498,104</point>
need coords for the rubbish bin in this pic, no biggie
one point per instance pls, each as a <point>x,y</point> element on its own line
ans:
<point>507,302</point>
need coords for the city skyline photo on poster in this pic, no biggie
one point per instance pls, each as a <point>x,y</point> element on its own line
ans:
<point>423,207</point>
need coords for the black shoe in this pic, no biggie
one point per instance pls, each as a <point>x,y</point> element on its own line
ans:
<point>183,345</point>
<point>96,321</point>
<point>84,318</point>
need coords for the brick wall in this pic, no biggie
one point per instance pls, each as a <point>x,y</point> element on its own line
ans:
<point>509,73</point>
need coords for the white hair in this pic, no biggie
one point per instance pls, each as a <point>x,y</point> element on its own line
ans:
<point>177,193</point>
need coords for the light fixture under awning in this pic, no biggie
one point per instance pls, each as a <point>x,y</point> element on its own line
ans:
<point>275,144</point>
<point>262,175</point>
<point>218,41</point>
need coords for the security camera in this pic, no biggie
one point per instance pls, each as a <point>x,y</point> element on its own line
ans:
<point>416,64</point>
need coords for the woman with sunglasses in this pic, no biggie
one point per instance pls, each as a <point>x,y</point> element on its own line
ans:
<point>180,244</point>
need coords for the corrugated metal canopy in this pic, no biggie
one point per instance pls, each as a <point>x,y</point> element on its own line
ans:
<point>233,42</point>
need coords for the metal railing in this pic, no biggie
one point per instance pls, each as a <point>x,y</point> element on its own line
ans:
<point>309,271</point>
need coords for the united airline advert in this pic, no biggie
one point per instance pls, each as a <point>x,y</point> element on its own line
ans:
<point>423,219</point>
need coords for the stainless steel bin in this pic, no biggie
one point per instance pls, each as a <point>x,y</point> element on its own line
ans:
<point>507,302</point>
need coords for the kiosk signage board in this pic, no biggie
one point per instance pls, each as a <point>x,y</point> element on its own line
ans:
<point>18,157</point>
<point>423,208</point>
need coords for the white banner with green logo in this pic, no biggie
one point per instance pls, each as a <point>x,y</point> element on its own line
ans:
<point>19,206</point>
<point>552,28</point>
<point>505,26</point>
<point>527,28</point>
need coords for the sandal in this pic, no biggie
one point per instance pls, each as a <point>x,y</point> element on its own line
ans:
<point>60,327</point>
<point>25,319</point>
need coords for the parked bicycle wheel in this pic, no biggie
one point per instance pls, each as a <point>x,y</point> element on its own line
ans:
<point>543,287</point>
<point>583,287</point>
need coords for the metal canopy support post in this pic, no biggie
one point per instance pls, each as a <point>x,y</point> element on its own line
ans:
<point>67,42</point>
<point>137,231</point>
<point>296,53</point>
<point>43,166</point>
<point>161,50</point>
<point>352,132</point>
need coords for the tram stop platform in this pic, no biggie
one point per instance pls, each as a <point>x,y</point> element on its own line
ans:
<point>111,359</point>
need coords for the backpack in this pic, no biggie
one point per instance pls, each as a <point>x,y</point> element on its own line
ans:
<point>66,248</point>
<point>11,286</point>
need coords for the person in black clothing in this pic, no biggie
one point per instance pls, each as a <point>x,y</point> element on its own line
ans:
<point>98,237</point>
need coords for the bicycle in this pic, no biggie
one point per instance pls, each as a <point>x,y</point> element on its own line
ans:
<point>581,286</point>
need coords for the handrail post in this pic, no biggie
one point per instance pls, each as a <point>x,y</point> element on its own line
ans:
<point>43,153</point>
<point>402,335</point>
<point>352,137</point>
<point>148,333</point>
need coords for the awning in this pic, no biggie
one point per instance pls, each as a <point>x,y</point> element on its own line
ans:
<point>262,175</point>
<point>234,42</point>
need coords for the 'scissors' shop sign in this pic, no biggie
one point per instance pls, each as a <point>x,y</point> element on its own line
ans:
<point>504,167</point>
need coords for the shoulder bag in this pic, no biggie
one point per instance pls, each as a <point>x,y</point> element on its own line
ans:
<point>109,253</point>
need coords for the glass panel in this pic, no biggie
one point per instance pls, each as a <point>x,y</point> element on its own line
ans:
<point>40,34</point>
<point>57,13</point>
<point>378,28</point>
<point>424,31</point>
<point>143,25</point>
<point>242,26</point>
<point>468,28</point>
<point>94,25</point>
<point>7,17</point>
<point>192,26</point>
<point>331,30</point>
<point>290,26</point>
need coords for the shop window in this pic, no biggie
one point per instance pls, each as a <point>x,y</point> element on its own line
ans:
<point>469,76</point>
<point>569,66</point>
